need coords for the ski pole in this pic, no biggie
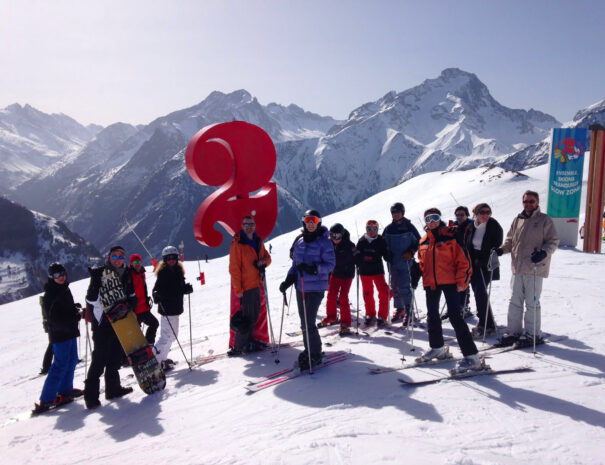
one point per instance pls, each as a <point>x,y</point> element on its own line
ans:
<point>302,290</point>
<point>190,330</point>
<point>154,262</point>
<point>357,269</point>
<point>291,289</point>
<point>262,273</point>
<point>391,292</point>
<point>281,326</point>
<point>488,309</point>
<point>535,308</point>
<point>175,336</point>
<point>411,321</point>
<point>86,344</point>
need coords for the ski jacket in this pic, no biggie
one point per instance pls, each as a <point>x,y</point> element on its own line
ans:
<point>345,253</point>
<point>442,259</point>
<point>401,237</point>
<point>462,232</point>
<point>61,313</point>
<point>170,288</point>
<point>313,249</point>
<point>492,239</point>
<point>242,257</point>
<point>371,254</point>
<point>140,290</point>
<point>527,233</point>
<point>109,286</point>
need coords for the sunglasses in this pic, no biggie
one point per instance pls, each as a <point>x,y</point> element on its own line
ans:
<point>529,201</point>
<point>58,274</point>
<point>118,257</point>
<point>172,257</point>
<point>136,262</point>
<point>432,217</point>
<point>249,225</point>
<point>460,215</point>
<point>371,228</point>
<point>311,219</point>
<point>485,212</point>
<point>335,236</point>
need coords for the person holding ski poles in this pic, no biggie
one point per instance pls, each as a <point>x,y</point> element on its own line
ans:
<point>168,292</point>
<point>312,262</point>
<point>144,303</point>
<point>446,269</point>
<point>62,316</point>
<point>248,259</point>
<point>340,279</point>
<point>109,284</point>
<point>372,250</point>
<point>484,236</point>
<point>402,238</point>
<point>531,241</point>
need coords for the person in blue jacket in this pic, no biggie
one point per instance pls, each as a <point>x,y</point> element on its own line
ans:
<point>313,260</point>
<point>402,238</point>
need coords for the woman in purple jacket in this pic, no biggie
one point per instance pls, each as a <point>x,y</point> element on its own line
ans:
<point>313,260</point>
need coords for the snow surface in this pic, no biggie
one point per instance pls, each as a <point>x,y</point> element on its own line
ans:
<point>340,415</point>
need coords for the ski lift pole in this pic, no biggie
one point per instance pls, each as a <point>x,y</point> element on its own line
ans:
<point>154,262</point>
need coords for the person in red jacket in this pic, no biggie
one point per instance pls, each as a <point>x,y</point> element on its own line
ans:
<point>446,268</point>
<point>144,303</point>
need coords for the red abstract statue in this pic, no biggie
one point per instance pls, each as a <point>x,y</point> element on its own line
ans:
<point>240,157</point>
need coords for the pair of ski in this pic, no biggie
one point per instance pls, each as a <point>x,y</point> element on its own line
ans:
<point>287,374</point>
<point>203,360</point>
<point>488,352</point>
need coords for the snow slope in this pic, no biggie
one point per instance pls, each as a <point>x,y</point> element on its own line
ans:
<point>340,415</point>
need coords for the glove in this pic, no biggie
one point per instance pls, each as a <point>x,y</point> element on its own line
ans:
<point>149,302</point>
<point>188,289</point>
<point>407,255</point>
<point>310,269</point>
<point>538,255</point>
<point>290,279</point>
<point>499,251</point>
<point>156,297</point>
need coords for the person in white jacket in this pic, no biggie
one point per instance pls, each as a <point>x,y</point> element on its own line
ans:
<point>531,241</point>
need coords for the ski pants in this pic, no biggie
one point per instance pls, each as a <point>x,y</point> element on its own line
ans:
<point>339,291</point>
<point>367,285</point>
<point>60,379</point>
<point>250,308</point>
<point>311,304</point>
<point>107,356</point>
<point>168,333</point>
<point>152,324</point>
<point>479,283</point>
<point>452,299</point>
<point>402,290</point>
<point>525,287</point>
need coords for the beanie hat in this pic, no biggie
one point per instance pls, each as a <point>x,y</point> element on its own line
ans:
<point>135,256</point>
<point>116,247</point>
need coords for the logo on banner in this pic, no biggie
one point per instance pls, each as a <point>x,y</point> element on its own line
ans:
<point>568,149</point>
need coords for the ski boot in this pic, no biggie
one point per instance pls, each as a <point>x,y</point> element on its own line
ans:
<point>121,392</point>
<point>380,323</point>
<point>399,315</point>
<point>469,363</point>
<point>344,331</point>
<point>303,360</point>
<point>369,320</point>
<point>527,340</point>
<point>507,340</point>
<point>327,322</point>
<point>440,353</point>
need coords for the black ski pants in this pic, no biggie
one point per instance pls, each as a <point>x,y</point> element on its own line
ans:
<point>479,282</point>
<point>152,324</point>
<point>452,299</point>
<point>312,302</point>
<point>107,357</point>
<point>250,308</point>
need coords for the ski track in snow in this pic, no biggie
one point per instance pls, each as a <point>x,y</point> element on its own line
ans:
<point>340,415</point>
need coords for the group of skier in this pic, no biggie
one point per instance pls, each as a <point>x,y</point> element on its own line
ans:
<point>450,258</point>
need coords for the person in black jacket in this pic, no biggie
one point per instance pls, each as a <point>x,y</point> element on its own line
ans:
<point>62,316</point>
<point>485,235</point>
<point>168,292</point>
<point>463,225</point>
<point>372,250</point>
<point>109,284</point>
<point>340,279</point>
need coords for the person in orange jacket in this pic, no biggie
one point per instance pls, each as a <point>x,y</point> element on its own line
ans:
<point>247,260</point>
<point>446,268</point>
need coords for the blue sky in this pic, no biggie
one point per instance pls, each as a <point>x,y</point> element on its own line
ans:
<point>133,61</point>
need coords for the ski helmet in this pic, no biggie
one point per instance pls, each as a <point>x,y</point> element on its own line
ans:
<point>398,207</point>
<point>337,228</point>
<point>168,251</point>
<point>56,270</point>
<point>312,213</point>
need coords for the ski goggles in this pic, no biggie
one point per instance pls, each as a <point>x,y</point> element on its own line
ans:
<point>372,225</point>
<point>432,217</point>
<point>57,274</point>
<point>171,257</point>
<point>311,219</point>
<point>336,236</point>
<point>136,262</point>
<point>118,257</point>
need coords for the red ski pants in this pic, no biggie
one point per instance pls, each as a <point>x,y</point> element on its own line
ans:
<point>339,290</point>
<point>367,284</point>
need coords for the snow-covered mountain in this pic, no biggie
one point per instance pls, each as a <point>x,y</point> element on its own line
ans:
<point>29,242</point>
<point>447,123</point>
<point>31,141</point>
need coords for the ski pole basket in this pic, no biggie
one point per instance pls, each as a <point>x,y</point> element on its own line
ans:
<point>117,312</point>
<point>140,356</point>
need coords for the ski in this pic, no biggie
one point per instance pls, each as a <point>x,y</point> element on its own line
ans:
<point>466,374</point>
<point>204,359</point>
<point>282,376</point>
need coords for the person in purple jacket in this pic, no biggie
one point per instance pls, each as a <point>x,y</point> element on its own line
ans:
<point>313,260</point>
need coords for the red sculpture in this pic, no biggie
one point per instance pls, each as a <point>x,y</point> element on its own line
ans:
<point>240,157</point>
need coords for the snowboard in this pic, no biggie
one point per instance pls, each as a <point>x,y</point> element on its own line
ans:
<point>145,366</point>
